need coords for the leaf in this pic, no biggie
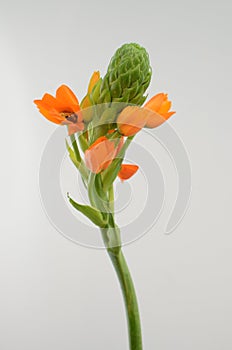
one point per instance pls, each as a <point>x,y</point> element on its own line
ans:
<point>90,212</point>
<point>83,141</point>
<point>72,155</point>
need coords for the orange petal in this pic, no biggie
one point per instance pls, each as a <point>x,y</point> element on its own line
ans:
<point>49,101</point>
<point>53,116</point>
<point>166,105</point>
<point>159,105</point>
<point>99,140</point>
<point>168,115</point>
<point>48,111</point>
<point>156,119</point>
<point>127,171</point>
<point>93,80</point>
<point>131,120</point>
<point>66,97</point>
<point>100,154</point>
<point>73,128</point>
<point>155,102</point>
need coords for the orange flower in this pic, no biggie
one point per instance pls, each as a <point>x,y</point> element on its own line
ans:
<point>131,120</point>
<point>127,170</point>
<point>63,109</point>
<point>159,105</point>
<point>101,153</point>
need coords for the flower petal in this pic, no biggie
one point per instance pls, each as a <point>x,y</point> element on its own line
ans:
<point>73,128</point>
<point>51,115</point>
<point>93,80</point>
<point>154,119</point>
<point>159,107</point>
<point>100,154</point>
<point>48,101</point>
<point>127,171</point>
<point>168,115</point>
<point>66,97</point>
<point>166,105</point>
<point>155,102</point>
<point>131,120</point>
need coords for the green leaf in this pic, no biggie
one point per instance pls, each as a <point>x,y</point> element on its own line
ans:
<point>90,212</point>
<point>72,155</point>
<point>83,141</point>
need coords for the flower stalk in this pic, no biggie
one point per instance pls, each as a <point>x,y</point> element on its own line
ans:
<point>126,283</point>
<point>101,128</point>
<point>130,299</point>
<point>112,241</point>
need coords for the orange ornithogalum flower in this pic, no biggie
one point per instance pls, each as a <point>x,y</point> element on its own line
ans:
<point>127,170</point>
<point>101,153</point>
<point>63,109</point>
<point>131,120</point>
<point>159,107</point>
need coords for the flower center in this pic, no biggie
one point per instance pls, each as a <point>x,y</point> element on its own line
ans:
<point>71,117</point>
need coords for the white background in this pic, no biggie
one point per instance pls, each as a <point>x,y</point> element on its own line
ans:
<point>57,295</point>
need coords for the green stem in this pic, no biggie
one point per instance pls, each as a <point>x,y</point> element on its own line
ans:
<point>127,286</point>
<point>112,241</point>
<point>130,299</point>
<point>81,166</point>
<point>111,199</point>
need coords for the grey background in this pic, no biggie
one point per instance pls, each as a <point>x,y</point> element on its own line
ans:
<point>57,295</point>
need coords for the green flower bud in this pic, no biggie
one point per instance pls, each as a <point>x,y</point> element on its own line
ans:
<point>127,78</point>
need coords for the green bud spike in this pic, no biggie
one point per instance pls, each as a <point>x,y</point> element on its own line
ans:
<point>127,77</point>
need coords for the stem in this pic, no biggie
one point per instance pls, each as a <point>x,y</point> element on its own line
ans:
<point>112,236</point>
<point>112,241</point>
<point>111,199</point>
<point>130,299</point>
<point>81,166</point>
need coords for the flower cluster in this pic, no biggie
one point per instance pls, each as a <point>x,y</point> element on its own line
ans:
<point>102,136</point>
